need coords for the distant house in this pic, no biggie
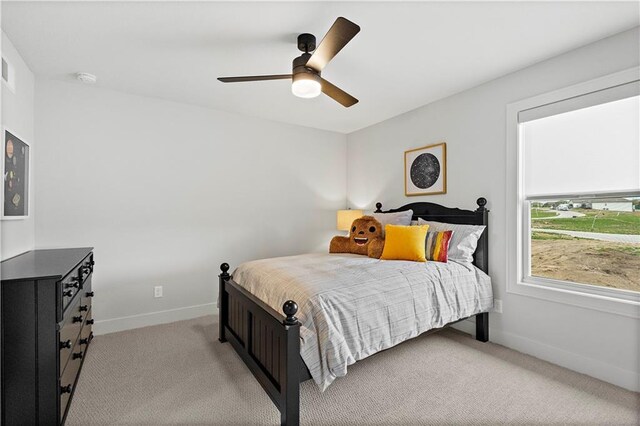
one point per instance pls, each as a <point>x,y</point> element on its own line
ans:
<point>612,204</point>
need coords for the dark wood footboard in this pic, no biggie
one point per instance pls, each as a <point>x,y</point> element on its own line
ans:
<point>268,343</point>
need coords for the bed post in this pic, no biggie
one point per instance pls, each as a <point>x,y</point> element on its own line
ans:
<point>290,410</point>
<point>224,302</point>
<point>482,261</point>
<point>482,252</point>
<point>482,327</point>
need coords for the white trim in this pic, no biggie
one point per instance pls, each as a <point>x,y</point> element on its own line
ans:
<point>152,318</point>
<point>610,373</point>
<point>596,290</point>
<point>515,218</point>
<point>584,100</point>
<point>4,130</point>
<point>585,195</point>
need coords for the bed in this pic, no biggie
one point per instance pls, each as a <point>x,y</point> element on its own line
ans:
<point>350,307</point>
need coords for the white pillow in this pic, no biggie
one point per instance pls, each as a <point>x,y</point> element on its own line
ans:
<point>398,218</point>
<point>463,241</point>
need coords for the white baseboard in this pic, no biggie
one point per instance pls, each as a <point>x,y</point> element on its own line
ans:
<point>152,318</point>
<point>591,367</point>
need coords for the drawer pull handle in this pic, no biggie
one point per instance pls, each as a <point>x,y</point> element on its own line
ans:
<point>84,308</point>
<point>77,319</point>
<point>90,321</point>
<point>84,341</point>
<point>74,284</point>
<point>67,293</point>
<point>65,345</point>
<point>77,355</point>
<point>89,294</point>
<point>65,389</point>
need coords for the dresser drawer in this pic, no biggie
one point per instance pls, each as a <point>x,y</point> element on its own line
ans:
<point>86,268</point>
<point>86,294</point>
<point>69,287</point>
<point>68,378</point>
<point>86,334</point>
<point>69,332</point>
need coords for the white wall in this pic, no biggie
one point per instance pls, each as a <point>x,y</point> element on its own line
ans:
<point>165,192</point>
<point>17,236</point>
<point>473,124</point>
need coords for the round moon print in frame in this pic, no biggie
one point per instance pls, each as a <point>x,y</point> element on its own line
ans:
<point>425,170</point>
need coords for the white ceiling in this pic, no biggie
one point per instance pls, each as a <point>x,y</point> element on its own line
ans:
<point>406,55</point>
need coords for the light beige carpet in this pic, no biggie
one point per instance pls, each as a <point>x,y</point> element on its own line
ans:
<point>180,374</point>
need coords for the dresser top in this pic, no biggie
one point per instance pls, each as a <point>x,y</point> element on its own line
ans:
<point>41,264</point>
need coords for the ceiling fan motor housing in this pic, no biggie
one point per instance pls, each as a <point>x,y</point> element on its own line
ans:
<point>306,80</point>
<point>301,70</point>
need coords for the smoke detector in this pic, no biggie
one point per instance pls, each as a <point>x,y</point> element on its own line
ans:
<point>85,77</point>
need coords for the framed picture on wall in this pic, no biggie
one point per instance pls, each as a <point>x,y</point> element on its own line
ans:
<point>15,172</point>
<point>425,170</point>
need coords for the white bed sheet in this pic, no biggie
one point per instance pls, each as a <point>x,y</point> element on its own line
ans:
<point>352,306</point>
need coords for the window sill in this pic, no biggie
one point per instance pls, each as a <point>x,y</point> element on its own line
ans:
<point>621,302</point>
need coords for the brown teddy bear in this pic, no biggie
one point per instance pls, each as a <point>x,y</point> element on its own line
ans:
<point>365,238</point>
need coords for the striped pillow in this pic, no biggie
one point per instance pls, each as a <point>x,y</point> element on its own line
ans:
<point>437,245</point>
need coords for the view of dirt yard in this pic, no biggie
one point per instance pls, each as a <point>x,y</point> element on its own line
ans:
<point>557,254</point>
<point>587,261</point>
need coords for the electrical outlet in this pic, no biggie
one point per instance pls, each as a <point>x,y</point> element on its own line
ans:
<point>157,291</point>
<point>497,306</point>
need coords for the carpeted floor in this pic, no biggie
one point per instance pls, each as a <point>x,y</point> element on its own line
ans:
<point>180,374</point>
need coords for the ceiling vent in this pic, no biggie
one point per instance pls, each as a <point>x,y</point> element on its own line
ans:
<point>8,75</point>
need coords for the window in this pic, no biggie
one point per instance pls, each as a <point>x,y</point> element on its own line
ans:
<point>578,192</point>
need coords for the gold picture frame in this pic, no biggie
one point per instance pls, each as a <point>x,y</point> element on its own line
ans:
<point>427,171</point>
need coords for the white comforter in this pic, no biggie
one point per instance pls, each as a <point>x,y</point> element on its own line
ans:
<point>353,306</point>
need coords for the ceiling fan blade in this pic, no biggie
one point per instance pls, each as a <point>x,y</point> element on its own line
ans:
<point>340,33</point>
<point>338,94</point>
<point>255,78</point>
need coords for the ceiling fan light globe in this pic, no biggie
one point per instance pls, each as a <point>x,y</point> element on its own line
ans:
<point>306,86</point>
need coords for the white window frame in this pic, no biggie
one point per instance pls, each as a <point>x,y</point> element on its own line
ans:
<point>622,302</point>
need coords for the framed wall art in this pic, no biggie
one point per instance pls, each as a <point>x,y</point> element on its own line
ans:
<point>425,170</point>
<point>15,172</point>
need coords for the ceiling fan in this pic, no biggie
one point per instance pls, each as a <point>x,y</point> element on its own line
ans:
<point>307,68</point>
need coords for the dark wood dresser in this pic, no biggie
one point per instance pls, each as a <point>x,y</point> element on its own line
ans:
<point>46,330</point>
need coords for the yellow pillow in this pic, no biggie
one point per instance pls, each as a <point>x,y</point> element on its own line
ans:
<point>405,243</point>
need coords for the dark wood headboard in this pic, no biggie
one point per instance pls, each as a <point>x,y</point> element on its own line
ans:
<point>439,213</point>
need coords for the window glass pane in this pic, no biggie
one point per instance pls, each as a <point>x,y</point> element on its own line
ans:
<point>589,241</point>
<point>592,149</point>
